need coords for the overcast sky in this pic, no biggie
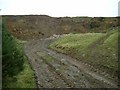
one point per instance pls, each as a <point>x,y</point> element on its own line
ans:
<point>60,8</point>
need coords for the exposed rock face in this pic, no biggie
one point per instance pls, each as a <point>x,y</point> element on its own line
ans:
<point>42,26</point>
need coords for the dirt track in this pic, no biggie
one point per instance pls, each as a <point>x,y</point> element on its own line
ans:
<point>64,72</point>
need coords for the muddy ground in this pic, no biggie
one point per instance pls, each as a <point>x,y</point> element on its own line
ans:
<point>63,71</point>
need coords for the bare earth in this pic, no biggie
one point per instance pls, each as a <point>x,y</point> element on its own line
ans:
<point>64,72</point>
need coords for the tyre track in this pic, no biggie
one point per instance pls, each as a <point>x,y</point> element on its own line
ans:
<point>46,73</point>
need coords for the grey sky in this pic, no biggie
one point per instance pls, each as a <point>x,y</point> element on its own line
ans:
<point>56,8</point>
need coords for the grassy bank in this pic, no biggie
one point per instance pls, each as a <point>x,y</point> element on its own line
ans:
<point>16,69</point>
<point>97,49</point>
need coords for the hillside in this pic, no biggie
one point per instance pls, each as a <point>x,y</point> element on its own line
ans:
<point>95,49</point>
<point>42,26</point>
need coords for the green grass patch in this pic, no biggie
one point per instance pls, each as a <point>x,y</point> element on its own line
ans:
<point>25,79</point>
<point>45,56</point>
<point>75,42</point>
<point>112,40</point>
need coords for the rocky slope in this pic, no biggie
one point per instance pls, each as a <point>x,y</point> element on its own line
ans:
<point>42,26</point>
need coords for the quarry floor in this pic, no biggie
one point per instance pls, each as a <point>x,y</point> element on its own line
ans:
<point>64,72</point>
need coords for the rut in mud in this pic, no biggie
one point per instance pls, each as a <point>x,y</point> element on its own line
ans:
<point>63,71</point>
